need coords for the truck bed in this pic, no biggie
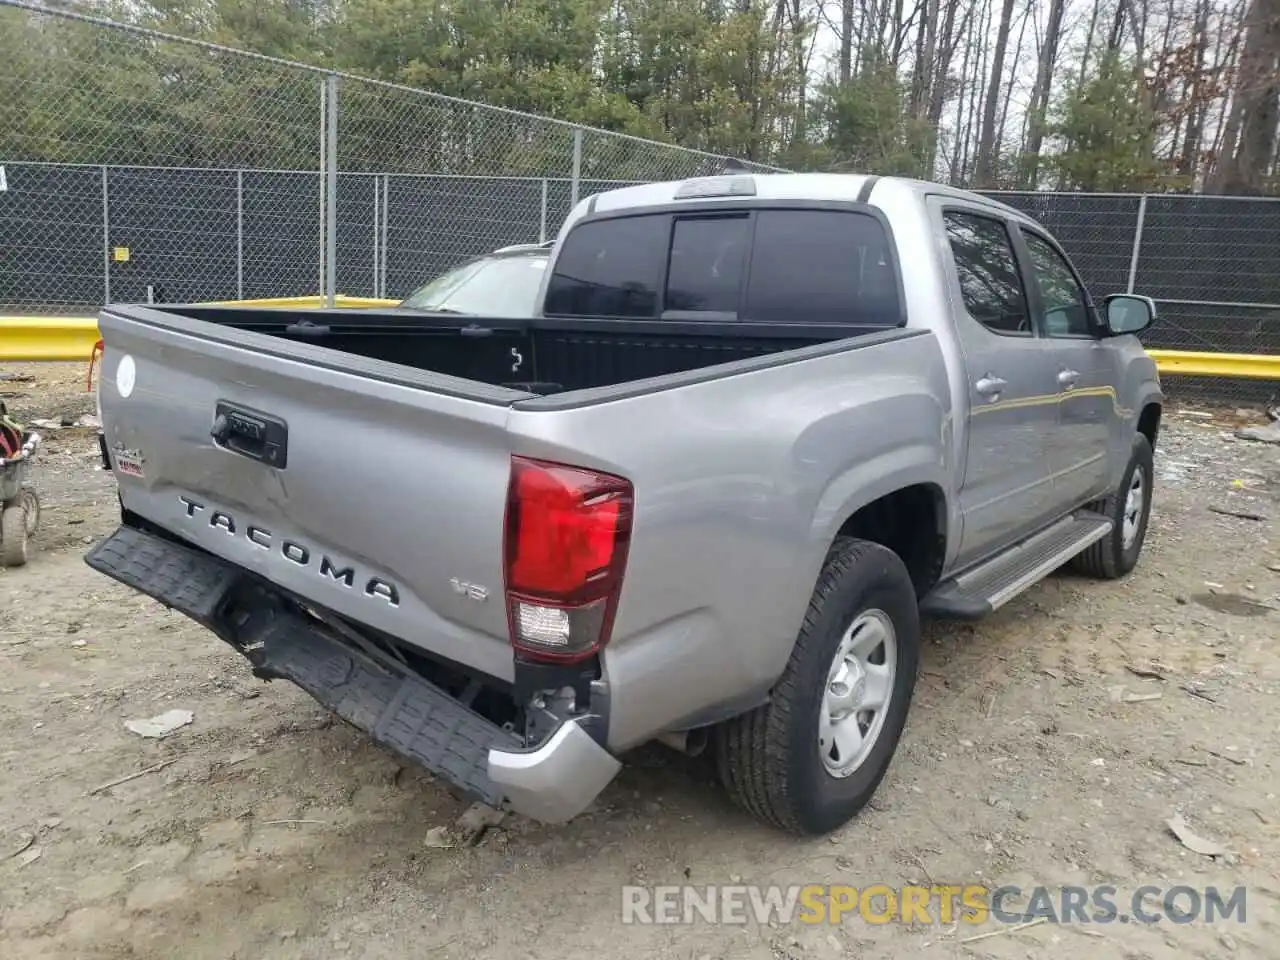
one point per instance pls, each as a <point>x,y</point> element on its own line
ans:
<point>540,356</point>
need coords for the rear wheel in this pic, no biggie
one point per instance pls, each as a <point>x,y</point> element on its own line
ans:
<point>13,535</point>
<point>1129,508</point>
<point>812,757</point>
<point>30,502</point>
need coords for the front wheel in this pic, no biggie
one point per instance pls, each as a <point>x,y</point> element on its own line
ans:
<point>1129,509</point>
<point>13,534</point>
<point>810,759</point>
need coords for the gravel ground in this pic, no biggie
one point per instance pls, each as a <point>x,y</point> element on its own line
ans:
<point>265,830</point>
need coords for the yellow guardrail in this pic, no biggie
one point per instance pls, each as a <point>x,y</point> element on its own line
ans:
<point>72,338</point>
<point>1245,366</point>
<point>47,338</point>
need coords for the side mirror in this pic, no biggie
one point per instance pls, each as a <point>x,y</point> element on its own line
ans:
<point>1128,313</point>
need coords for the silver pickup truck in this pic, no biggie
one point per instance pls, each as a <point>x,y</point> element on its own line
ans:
<point>760,425</point>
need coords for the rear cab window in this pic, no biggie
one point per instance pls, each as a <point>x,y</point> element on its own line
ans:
<point>772,265</point>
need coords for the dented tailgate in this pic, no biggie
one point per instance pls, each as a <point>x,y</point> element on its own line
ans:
<point>372,490</point>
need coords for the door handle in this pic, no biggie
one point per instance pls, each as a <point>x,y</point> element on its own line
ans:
<point>990,386</point>
<point>1067,378</point>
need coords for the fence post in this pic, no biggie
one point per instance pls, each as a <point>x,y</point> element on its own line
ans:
<point>542,221</point>
<point>577,167</point>
<point>106,241</point>
<point>377,233</point>
<point>1137,241</point>
<point>321,180</point>
<point>331,191</point>
<point>239,234</point>
<point>386,189</point>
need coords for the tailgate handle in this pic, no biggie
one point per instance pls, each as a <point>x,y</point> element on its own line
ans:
<point>251,433</point>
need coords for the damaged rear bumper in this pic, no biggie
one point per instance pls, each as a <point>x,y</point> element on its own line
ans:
<point>551,781</point>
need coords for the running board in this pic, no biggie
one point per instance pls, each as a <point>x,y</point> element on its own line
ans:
<point>988,587</point>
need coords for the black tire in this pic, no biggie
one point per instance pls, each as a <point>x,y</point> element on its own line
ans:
<point>769,759</point>
<point>1109,559</point>
<point>30,501</point>
<point>13,535</point>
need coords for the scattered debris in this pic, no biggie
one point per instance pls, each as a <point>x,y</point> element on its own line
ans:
<point>438,837</point>
<point>1196,844</point>
<point>1234,604</point>
<point>49,823</point>
<point>1226,756</point>
<point>1006,930</point>
<point>475,820</point>
<point>1146,673</point>
<point>1191,762</point>
<point>1267,434</point>
<point>991,706</point>
<point>154,768</point>
<point>272,823</point>
<point>17,377</point>
<point>1198,693</point>
<point>1242,514</point>
<point>161,725</point>
<point>26,842</point>
<point>1120,695</point>
<point>30,856</point>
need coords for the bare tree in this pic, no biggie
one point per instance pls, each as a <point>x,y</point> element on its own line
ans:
<point>985,168</point>
<point>1040,93</point>
<point>1249,144</point>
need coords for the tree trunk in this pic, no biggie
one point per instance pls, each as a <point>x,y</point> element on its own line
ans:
<point>846,40</point>
<point>938,83</point>
<point>1088,42</point>
<point>1040,93</point>
<point>1008,93</point>
<point>1189,162</point>
<point>985,170</point>
<point>1255,110</point>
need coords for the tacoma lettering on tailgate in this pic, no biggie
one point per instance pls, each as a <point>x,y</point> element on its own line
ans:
<point>292,551</point>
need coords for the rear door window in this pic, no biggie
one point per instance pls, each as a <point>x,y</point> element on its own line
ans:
<point>769,266</point>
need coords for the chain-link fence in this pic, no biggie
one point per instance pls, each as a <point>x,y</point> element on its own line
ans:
<point>137,165</point>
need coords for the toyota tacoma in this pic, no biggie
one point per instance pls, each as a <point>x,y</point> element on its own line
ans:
<point>758,427</point>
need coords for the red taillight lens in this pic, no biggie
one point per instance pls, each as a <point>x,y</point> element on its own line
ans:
<point>567,532</point>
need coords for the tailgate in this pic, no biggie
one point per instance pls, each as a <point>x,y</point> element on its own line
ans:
<point>373,490</point>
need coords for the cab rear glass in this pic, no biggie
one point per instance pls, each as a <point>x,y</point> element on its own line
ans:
<point>770,266</point>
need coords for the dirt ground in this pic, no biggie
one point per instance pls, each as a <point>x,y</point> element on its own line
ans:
<point>272,832</point>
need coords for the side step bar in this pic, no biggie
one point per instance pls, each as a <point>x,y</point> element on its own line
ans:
<point>989,586</point>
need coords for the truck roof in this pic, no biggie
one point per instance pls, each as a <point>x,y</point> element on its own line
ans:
<point>790,186</point>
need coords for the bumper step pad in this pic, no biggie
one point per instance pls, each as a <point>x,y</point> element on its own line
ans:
<point>399,710</point>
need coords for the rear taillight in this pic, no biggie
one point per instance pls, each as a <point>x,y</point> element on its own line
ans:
<point>567,532</point>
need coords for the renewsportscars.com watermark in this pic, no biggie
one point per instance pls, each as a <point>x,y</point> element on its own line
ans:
<point>941,903</point>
